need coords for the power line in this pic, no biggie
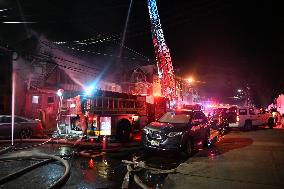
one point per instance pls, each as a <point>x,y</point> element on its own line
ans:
<point>59,58</point>
<point>90,41</point>
<point>43,58</point>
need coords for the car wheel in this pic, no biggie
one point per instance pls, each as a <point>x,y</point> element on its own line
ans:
<point>206,139</point>
<point>248,125</point>
<point>270,122</point>
<point>26,133</point>
<point>189,147</point>
<point>147,152</point>
<point>123,131</point>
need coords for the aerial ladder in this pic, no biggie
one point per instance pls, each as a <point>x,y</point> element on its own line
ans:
<point>162,53</point>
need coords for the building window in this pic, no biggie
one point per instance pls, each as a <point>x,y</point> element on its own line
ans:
<point>35,99</point>
<point>50,99</point>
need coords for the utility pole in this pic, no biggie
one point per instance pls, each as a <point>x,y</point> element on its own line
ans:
<point>248,95</point>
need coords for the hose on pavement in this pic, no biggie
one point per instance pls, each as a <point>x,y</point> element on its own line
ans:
<point>48,158</point>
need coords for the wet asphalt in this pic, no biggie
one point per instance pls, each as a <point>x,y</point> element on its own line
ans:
<point>89,168</point>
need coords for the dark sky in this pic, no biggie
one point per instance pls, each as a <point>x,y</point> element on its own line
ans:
<point>225,43</point>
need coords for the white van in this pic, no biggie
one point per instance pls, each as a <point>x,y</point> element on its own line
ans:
<point>248,117</point>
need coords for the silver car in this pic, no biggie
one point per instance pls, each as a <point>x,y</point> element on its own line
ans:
<point>24,128</point>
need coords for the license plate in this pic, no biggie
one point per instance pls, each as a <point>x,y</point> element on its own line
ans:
<point>155,143</point>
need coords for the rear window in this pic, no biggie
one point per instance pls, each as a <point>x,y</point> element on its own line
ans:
<point>243,111</point>
<point>6,119</point>
<point>175,117</point>
<point>18,119</point>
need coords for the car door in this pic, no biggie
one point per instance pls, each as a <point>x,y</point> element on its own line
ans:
<point>5,127</point>
<point>20,124</point>
<point>261,120</point>
<point>255,118</point>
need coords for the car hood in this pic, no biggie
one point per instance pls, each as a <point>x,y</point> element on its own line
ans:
<point>167,127</point>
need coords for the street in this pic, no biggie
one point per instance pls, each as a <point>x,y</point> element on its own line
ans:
<point>239,160</point>
<point>141,94</point>
<point>89,168</point>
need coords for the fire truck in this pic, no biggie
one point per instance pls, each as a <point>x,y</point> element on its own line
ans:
<point>106,113</point>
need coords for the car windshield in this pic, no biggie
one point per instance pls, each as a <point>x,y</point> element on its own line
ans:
<point>175,117</point>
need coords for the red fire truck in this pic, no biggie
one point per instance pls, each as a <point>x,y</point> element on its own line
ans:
<point>109,113</point>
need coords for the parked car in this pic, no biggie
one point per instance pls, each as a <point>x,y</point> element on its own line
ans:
<point>24,128</point>
<point>219,119</point>
<point>246,118</point>
<point>177,131</point>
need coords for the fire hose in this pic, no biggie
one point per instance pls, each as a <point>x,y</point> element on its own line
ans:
<point>136,166</point>
<point>31,146</point>
<point>5,150</point>
<point>46,159</point>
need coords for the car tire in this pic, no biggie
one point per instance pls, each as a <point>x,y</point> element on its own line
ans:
<point>206,139</point>
<point>270,123</point>
<point>147,152</point>
<point>124,131</point>
<point>26,133</point>
<point>189,147</point>
<point>248,125</point>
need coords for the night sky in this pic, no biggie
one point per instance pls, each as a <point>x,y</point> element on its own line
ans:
<point>223,43</point>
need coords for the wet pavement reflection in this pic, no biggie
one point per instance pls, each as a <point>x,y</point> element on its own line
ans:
<point>101,170</point>
<point>91,168</point>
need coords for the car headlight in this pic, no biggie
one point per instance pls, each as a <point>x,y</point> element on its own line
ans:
<point>146,131</point>
<point>173,134</point>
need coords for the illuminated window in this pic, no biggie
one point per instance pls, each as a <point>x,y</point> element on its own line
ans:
<point>35,99</point>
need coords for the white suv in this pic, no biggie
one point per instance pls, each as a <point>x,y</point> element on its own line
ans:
<point>248,117</point>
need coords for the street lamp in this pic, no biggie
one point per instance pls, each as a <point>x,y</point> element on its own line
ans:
<point>190,80</point>
<point>60,92</point>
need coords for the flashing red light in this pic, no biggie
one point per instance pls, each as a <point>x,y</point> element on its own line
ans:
<point>92,140</point>
<point>137,137</point>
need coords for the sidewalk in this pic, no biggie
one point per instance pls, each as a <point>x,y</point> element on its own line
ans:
<point>242,160</point>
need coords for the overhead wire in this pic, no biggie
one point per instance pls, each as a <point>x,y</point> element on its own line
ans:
<point>81,43</point>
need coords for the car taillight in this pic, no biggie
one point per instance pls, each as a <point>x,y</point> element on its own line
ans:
<point>238,118</point>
